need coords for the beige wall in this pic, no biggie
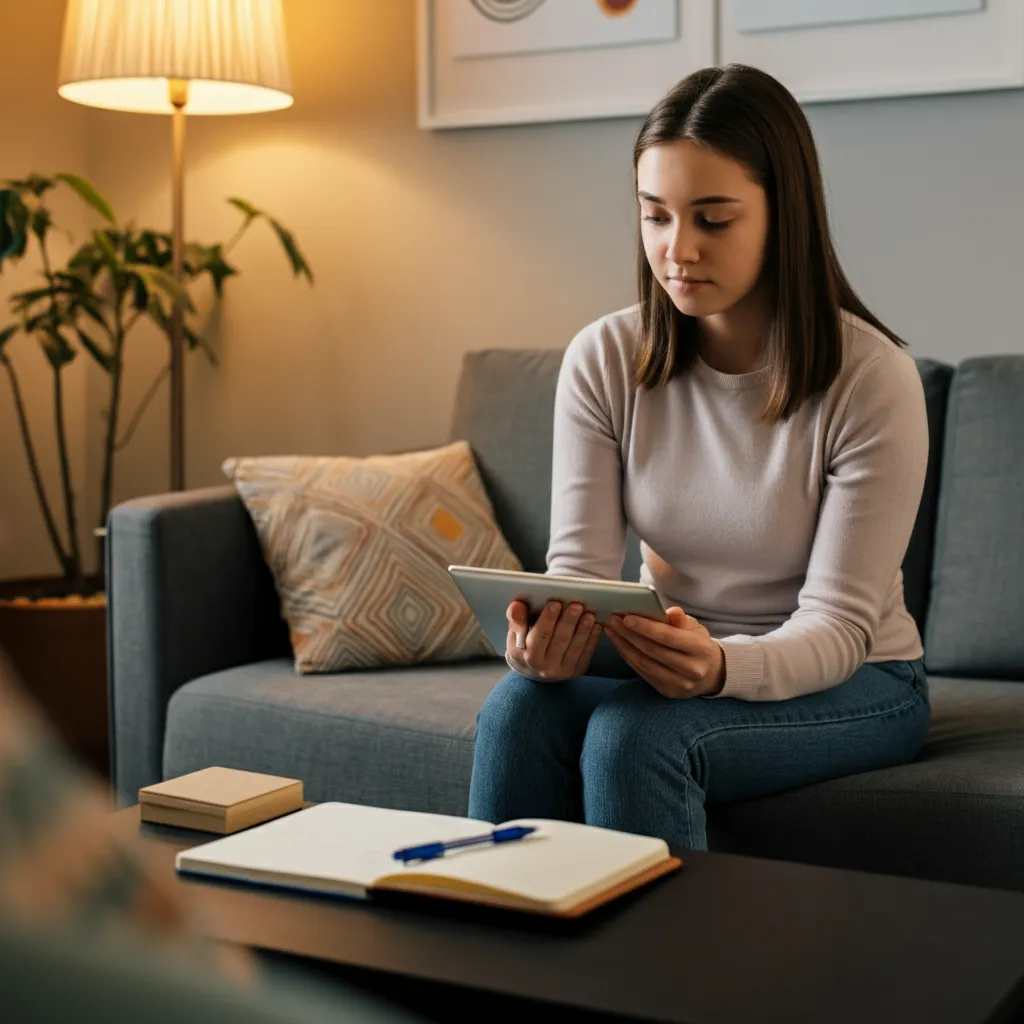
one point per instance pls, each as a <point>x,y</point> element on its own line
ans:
<point>423,245</point>
<point>426,244</point>
<point>38,132</point>
<point>429,244</point>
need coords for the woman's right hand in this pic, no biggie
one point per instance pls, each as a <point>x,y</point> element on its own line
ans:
<point>559,645</point>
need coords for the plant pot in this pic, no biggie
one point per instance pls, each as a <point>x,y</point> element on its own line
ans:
<point>58,647</point>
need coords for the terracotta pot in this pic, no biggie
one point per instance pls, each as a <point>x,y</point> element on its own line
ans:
<point>58,647</point>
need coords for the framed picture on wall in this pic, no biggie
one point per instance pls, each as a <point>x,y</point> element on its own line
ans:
<point>853,49</point>
<point>488,62</point>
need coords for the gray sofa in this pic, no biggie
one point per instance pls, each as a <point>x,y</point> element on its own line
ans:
<point>200,671</point>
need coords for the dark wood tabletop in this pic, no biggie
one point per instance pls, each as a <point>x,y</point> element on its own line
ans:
<point>725,939</point>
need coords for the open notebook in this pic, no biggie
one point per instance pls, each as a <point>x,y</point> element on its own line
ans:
<point>563,869</point>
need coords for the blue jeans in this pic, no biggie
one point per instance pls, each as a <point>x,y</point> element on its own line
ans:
<point>616,753</point>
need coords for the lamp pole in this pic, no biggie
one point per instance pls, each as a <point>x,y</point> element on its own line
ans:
<point>178,93</point>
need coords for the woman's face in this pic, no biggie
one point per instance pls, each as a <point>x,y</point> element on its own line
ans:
<point>704,224</point>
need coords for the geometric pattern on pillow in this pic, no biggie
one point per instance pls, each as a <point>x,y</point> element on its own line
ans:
<point>359,549</point>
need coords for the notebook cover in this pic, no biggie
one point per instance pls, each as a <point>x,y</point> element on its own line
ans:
<point>638,880</point>
<point>645,877</point>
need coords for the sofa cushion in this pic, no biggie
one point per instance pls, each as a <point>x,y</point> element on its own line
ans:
<point>359,550</point>
<point>955,814</point>
<point>504,407</point>
<point>404,738</point>
<point>977,600</point>
<point>397,738</point>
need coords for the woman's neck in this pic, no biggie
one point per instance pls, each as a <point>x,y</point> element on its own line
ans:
<point>732,341</point>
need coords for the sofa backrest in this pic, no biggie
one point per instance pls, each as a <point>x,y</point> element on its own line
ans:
<point>975,621</point>
<point>917,563</point>
<point>504,404</point>
<point>504,407</point>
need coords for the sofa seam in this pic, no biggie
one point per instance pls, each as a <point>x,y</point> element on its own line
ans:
<point>950,437</point>
<point>301,713</point>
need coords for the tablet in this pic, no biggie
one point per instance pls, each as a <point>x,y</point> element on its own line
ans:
<point>489,592</point>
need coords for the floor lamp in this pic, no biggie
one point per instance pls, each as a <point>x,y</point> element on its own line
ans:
<point>176,57</point>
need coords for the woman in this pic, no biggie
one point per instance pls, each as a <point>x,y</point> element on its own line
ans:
<point>766,436</point>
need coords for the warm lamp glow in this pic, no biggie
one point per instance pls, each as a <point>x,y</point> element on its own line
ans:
<point>121,54</point>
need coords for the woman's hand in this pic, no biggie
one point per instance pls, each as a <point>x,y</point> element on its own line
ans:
<point>678,658</point>
<point>559,645</point>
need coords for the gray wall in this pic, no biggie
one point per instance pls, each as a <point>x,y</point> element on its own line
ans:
<point>430,244</point>
<point>927,199</point>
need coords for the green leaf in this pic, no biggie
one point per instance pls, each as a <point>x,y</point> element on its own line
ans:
<point>287,239</point>
<point>13,225</point>
<point>159,280</point>
<point>298,261</point>
<point>89,193</point>
<point>59,299</point>
<point>194,255</point>
<point>192,339</point>
<point>218,268</point>
<point>74,284</point>
<point>195,341</point>
<point>34,184</point>
<point>246,207</point>
<point>41,221</point>
<point>58,350</point>
<point>87,260</point>
<point>37,184</point>
<point>106,248</point>
<point>7,197</point>
<point>157,248</point>
<point>37,322</point>
<point>91,306</point>
<point>24,299</point>
<point>105,359</point>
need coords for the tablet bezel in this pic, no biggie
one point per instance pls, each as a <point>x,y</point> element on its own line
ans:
<point>489,592</point>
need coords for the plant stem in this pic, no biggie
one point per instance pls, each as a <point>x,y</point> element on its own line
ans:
<point>75,563</point>
<point>131,323</point>
<point>73,570</point>
<point>143,406</point>
<point>232,241</point>
<point>37,478</point>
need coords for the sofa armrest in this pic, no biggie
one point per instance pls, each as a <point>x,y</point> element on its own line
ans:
<point>188,593</point>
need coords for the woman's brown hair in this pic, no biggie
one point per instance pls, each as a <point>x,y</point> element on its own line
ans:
<point>747,115</point>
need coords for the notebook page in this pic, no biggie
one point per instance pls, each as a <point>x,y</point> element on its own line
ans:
<point>560,865</point>
<point>331,847</point>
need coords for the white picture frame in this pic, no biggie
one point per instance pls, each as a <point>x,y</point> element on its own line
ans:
<point>946,52</point>
<point>558,85</point>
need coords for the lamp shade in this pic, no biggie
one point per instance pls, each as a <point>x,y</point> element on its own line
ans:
<point>120,54</point>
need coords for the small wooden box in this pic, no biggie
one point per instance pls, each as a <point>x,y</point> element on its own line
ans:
<point>221,800</point>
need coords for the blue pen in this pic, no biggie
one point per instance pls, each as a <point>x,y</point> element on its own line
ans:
<point>428,851</point>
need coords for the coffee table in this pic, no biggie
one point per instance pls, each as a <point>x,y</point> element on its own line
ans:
<point>726,939</point>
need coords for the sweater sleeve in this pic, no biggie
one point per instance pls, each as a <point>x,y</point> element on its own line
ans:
<point>588,524</point>
<point>873,487</point>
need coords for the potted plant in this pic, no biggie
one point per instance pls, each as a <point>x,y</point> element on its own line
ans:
<point>53,629</point>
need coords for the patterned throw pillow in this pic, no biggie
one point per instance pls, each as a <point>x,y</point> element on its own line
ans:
<point>360,548</point>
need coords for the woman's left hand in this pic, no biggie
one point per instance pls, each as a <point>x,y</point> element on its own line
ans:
<point>678,658</point>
